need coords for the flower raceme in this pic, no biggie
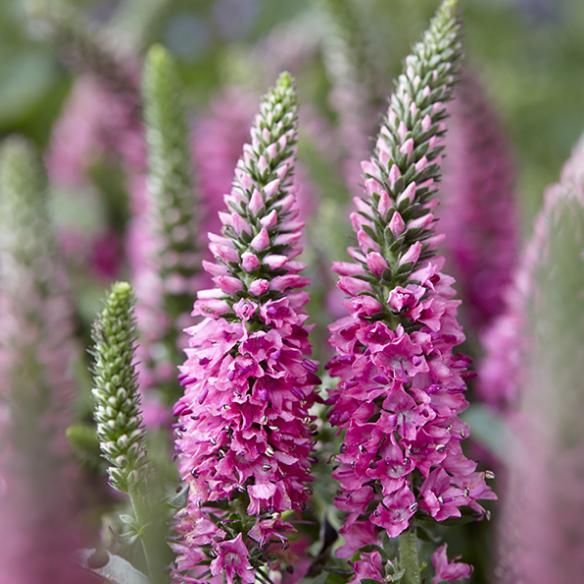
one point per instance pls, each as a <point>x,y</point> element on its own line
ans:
<point>244,431</point>
<point>39,487</point>
<point>540,527</point>
<point>117,411</point>
<point>401,385</point>
<point>502,371</point>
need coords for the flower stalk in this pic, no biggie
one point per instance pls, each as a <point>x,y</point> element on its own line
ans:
<point>409,557</point>
<point>244,433</point>
<point>401,383</point>
<point>39,485</point>
<point>120,427</point>
<point>171,221</point>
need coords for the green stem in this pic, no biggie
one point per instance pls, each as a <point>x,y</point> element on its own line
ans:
<point>151,534</point>
<point>409,559</point>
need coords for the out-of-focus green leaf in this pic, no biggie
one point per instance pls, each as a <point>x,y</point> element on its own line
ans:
<point>83,438</point>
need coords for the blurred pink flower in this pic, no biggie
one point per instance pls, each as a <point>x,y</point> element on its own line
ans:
<point>479,216</point>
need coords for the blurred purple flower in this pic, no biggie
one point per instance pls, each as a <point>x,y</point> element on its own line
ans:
<point>479,217</point>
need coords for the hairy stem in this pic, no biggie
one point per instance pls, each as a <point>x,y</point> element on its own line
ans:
<point>148,529</point>
<point>409,559</point>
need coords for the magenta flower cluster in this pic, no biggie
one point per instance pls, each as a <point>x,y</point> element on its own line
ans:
<point>244,430</point>
<point>401,384</point>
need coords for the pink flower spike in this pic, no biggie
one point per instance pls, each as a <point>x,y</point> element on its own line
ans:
<point>401,382</point>
<point>244,430</point>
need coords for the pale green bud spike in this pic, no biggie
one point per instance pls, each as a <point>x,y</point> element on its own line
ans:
<point>36,337</point>
<point>170,188</point>
<point>23,201</point>
<point>118,414</point>
<point>170,182</point>
<point>556,316</point>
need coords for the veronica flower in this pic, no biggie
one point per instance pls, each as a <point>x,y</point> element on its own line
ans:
<point>501,373</point>
<point>540,527</point>
<point>401,386</point>
<point>480,216</point>
<point>39,486</point>
<point>244,432</point>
